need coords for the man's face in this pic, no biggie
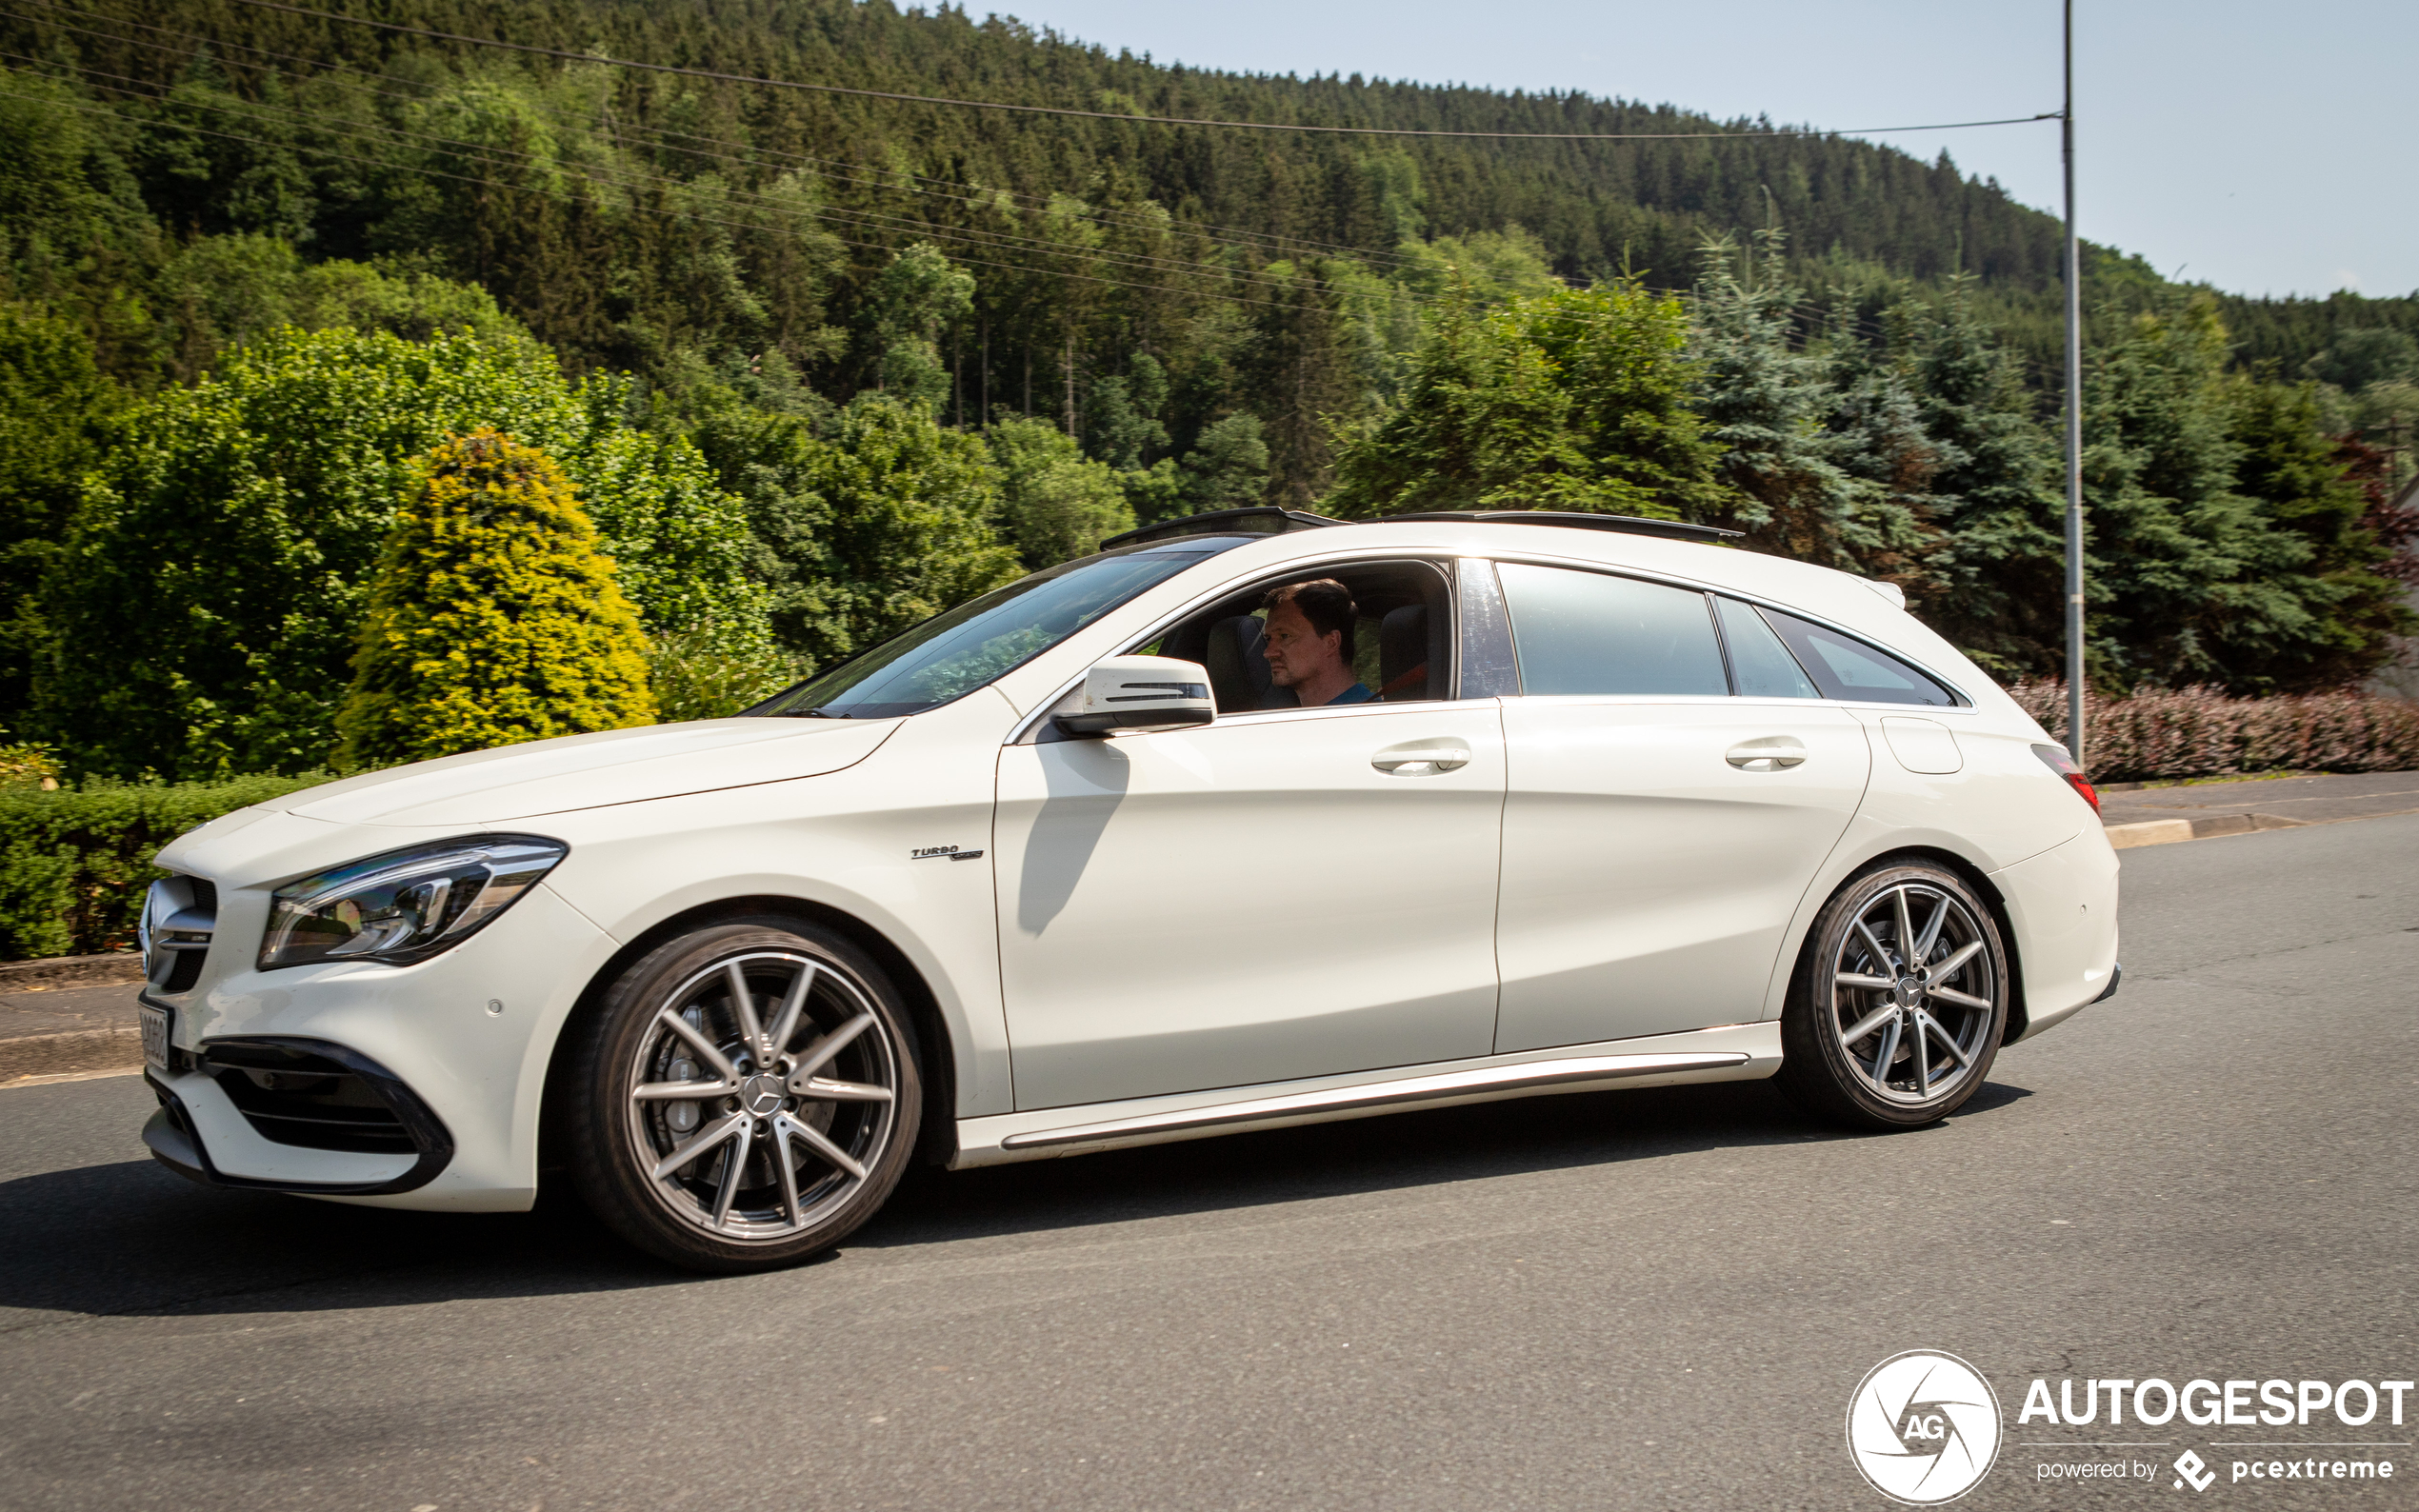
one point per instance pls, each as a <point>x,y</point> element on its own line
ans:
<point>1297,653</point>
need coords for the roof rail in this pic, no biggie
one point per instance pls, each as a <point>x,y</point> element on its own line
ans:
<point>1256,520</point>
<point>1627,524</point>
<point>1269,520</point>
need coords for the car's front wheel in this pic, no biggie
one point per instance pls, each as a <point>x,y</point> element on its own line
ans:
<point>1900,998</point>
<point>743,1096</point>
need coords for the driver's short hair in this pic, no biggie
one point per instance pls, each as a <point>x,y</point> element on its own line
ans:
<point>1326,604</point>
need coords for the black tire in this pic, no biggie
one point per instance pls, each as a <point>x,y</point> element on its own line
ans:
<point>729,1206</point>
<point>1884,1079</point>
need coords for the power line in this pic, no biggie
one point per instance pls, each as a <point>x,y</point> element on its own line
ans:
<point>381,85</point>
<point>981,237</point>
<point>627,178</point>
<point>1803,305</point>
<point>1115,115</point>
<point>702,220</point>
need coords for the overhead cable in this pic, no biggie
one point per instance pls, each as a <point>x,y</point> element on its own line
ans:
<point>1120,115</point>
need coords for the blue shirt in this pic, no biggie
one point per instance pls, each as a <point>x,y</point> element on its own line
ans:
<point>1357,694</point>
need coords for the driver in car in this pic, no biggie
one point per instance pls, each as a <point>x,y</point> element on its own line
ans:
<point>1309,642</point>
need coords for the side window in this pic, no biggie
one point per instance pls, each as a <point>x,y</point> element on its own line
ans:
<point>1396,648</point>
<point>1761,665</point>
<point>1591,632</point>
<point>1854,671</point>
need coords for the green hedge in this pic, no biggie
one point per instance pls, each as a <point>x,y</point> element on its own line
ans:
<point>75,862</point>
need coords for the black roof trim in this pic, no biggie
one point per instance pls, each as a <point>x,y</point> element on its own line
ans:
<point>1255,519</point>
<point>1269,520</point>
<point>1627,524</point>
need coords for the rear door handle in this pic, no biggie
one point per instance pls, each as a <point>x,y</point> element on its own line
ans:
<point>1774,753</point>
<point>1420,761</point>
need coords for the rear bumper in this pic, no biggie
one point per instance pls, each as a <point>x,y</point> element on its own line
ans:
<point>2062,905</point>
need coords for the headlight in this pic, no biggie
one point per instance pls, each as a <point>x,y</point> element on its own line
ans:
<point>405,906</point>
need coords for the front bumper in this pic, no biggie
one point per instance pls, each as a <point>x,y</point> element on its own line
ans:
<point>305,1098</point>
<point>441,1065</point>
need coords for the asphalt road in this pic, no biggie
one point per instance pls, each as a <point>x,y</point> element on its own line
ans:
<point>1647,1300</point>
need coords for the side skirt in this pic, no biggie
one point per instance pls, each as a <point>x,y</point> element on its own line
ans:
<point>1731,1053</point>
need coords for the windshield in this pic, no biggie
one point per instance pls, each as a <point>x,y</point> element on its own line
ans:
<point>954,653</point>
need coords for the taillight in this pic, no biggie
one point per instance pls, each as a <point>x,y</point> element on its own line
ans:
<point>2056,759</point>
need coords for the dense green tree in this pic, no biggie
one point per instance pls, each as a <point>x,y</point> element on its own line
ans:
<point>2191,579</point>
<point>1228,467</point>
<point>1578,400</point>
<point>1878,439</point>
<point>57,418</point>
<point>917,297</point>
<point>905,509</point>
<point>1764,401</point>
<point>2367,355</point>
<point>493,616</point>
<point>2298,477</point>
<point>1299,368</point>
<point>692,676</point>
<point>202,613</point>
<point>1055,503</point>
<point>1121,417</point>
<point>221,292</point>
<point>1999,576</point>
<point>863,532</point>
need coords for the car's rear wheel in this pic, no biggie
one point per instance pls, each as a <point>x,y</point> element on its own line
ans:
<point>1900,998</point>
<point>744,1097</point>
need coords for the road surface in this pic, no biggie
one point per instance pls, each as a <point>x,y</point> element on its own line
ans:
<point>1659,1299</point>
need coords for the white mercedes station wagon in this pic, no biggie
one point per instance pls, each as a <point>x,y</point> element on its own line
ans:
<point>1253,819</point>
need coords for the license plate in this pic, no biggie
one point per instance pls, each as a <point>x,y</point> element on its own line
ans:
<point>155,1022</point>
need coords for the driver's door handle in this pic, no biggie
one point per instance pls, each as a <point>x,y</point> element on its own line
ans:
<point>1774,753</point>
<point>1420,761</point>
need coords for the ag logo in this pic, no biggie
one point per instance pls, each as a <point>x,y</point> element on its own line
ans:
<point>1924,1427</point>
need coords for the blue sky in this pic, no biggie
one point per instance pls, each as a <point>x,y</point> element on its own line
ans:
<point>2262,148</point>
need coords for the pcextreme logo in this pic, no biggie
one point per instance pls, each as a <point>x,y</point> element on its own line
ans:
<point>1924,1427</point>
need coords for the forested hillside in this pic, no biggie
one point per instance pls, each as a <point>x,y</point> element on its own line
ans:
<point>822,362</point>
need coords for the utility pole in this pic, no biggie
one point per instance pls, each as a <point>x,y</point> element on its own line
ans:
<point>2074,421</point>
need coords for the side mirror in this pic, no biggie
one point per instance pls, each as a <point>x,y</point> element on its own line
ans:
<point>1139,693</point>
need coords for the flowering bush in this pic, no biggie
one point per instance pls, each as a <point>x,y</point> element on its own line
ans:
<point>2200,732</point>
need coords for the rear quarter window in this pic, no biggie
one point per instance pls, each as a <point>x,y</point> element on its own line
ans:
<point>1854,672</point>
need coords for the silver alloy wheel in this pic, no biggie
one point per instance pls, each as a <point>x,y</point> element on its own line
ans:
<point>762,1095</point>
<point>1915,992</point>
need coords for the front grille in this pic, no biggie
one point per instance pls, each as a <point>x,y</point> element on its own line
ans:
<point>179,919</point>
<point>293,1097</point>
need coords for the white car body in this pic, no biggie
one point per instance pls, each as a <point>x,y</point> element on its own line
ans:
<point>1194,931</point>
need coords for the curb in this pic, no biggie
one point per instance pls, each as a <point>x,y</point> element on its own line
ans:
<point>72,1052</point>
<point>72,972</point>
<point>2169,831</point>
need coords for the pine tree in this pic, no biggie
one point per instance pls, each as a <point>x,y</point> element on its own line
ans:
<point>493,617</point>
<point>2002,573</point>
<point>1765,403</point>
